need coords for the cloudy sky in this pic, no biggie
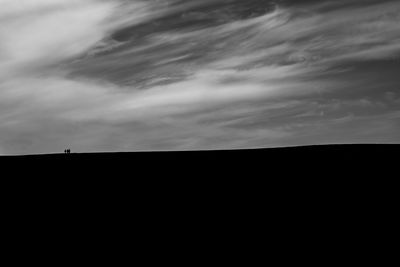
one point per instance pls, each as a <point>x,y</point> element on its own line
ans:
<point>133,75</point>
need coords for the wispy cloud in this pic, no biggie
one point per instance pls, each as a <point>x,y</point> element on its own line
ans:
<point>64,81</point>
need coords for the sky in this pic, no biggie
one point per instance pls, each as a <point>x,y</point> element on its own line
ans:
<point>132,75</point>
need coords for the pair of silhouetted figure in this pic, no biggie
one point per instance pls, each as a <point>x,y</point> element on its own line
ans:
<point>67,151</point>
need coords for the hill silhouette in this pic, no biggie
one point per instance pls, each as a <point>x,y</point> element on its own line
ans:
<point>320,160</point>
<point>284,182</point>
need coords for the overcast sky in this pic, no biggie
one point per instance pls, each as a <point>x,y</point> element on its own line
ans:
<point>131,75</point>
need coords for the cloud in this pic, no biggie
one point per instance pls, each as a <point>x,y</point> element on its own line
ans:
<point>51,34</point>
<point>64,81</point>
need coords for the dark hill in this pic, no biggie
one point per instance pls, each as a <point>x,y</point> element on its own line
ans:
<point>288,183</point>
<point>321,160</point>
